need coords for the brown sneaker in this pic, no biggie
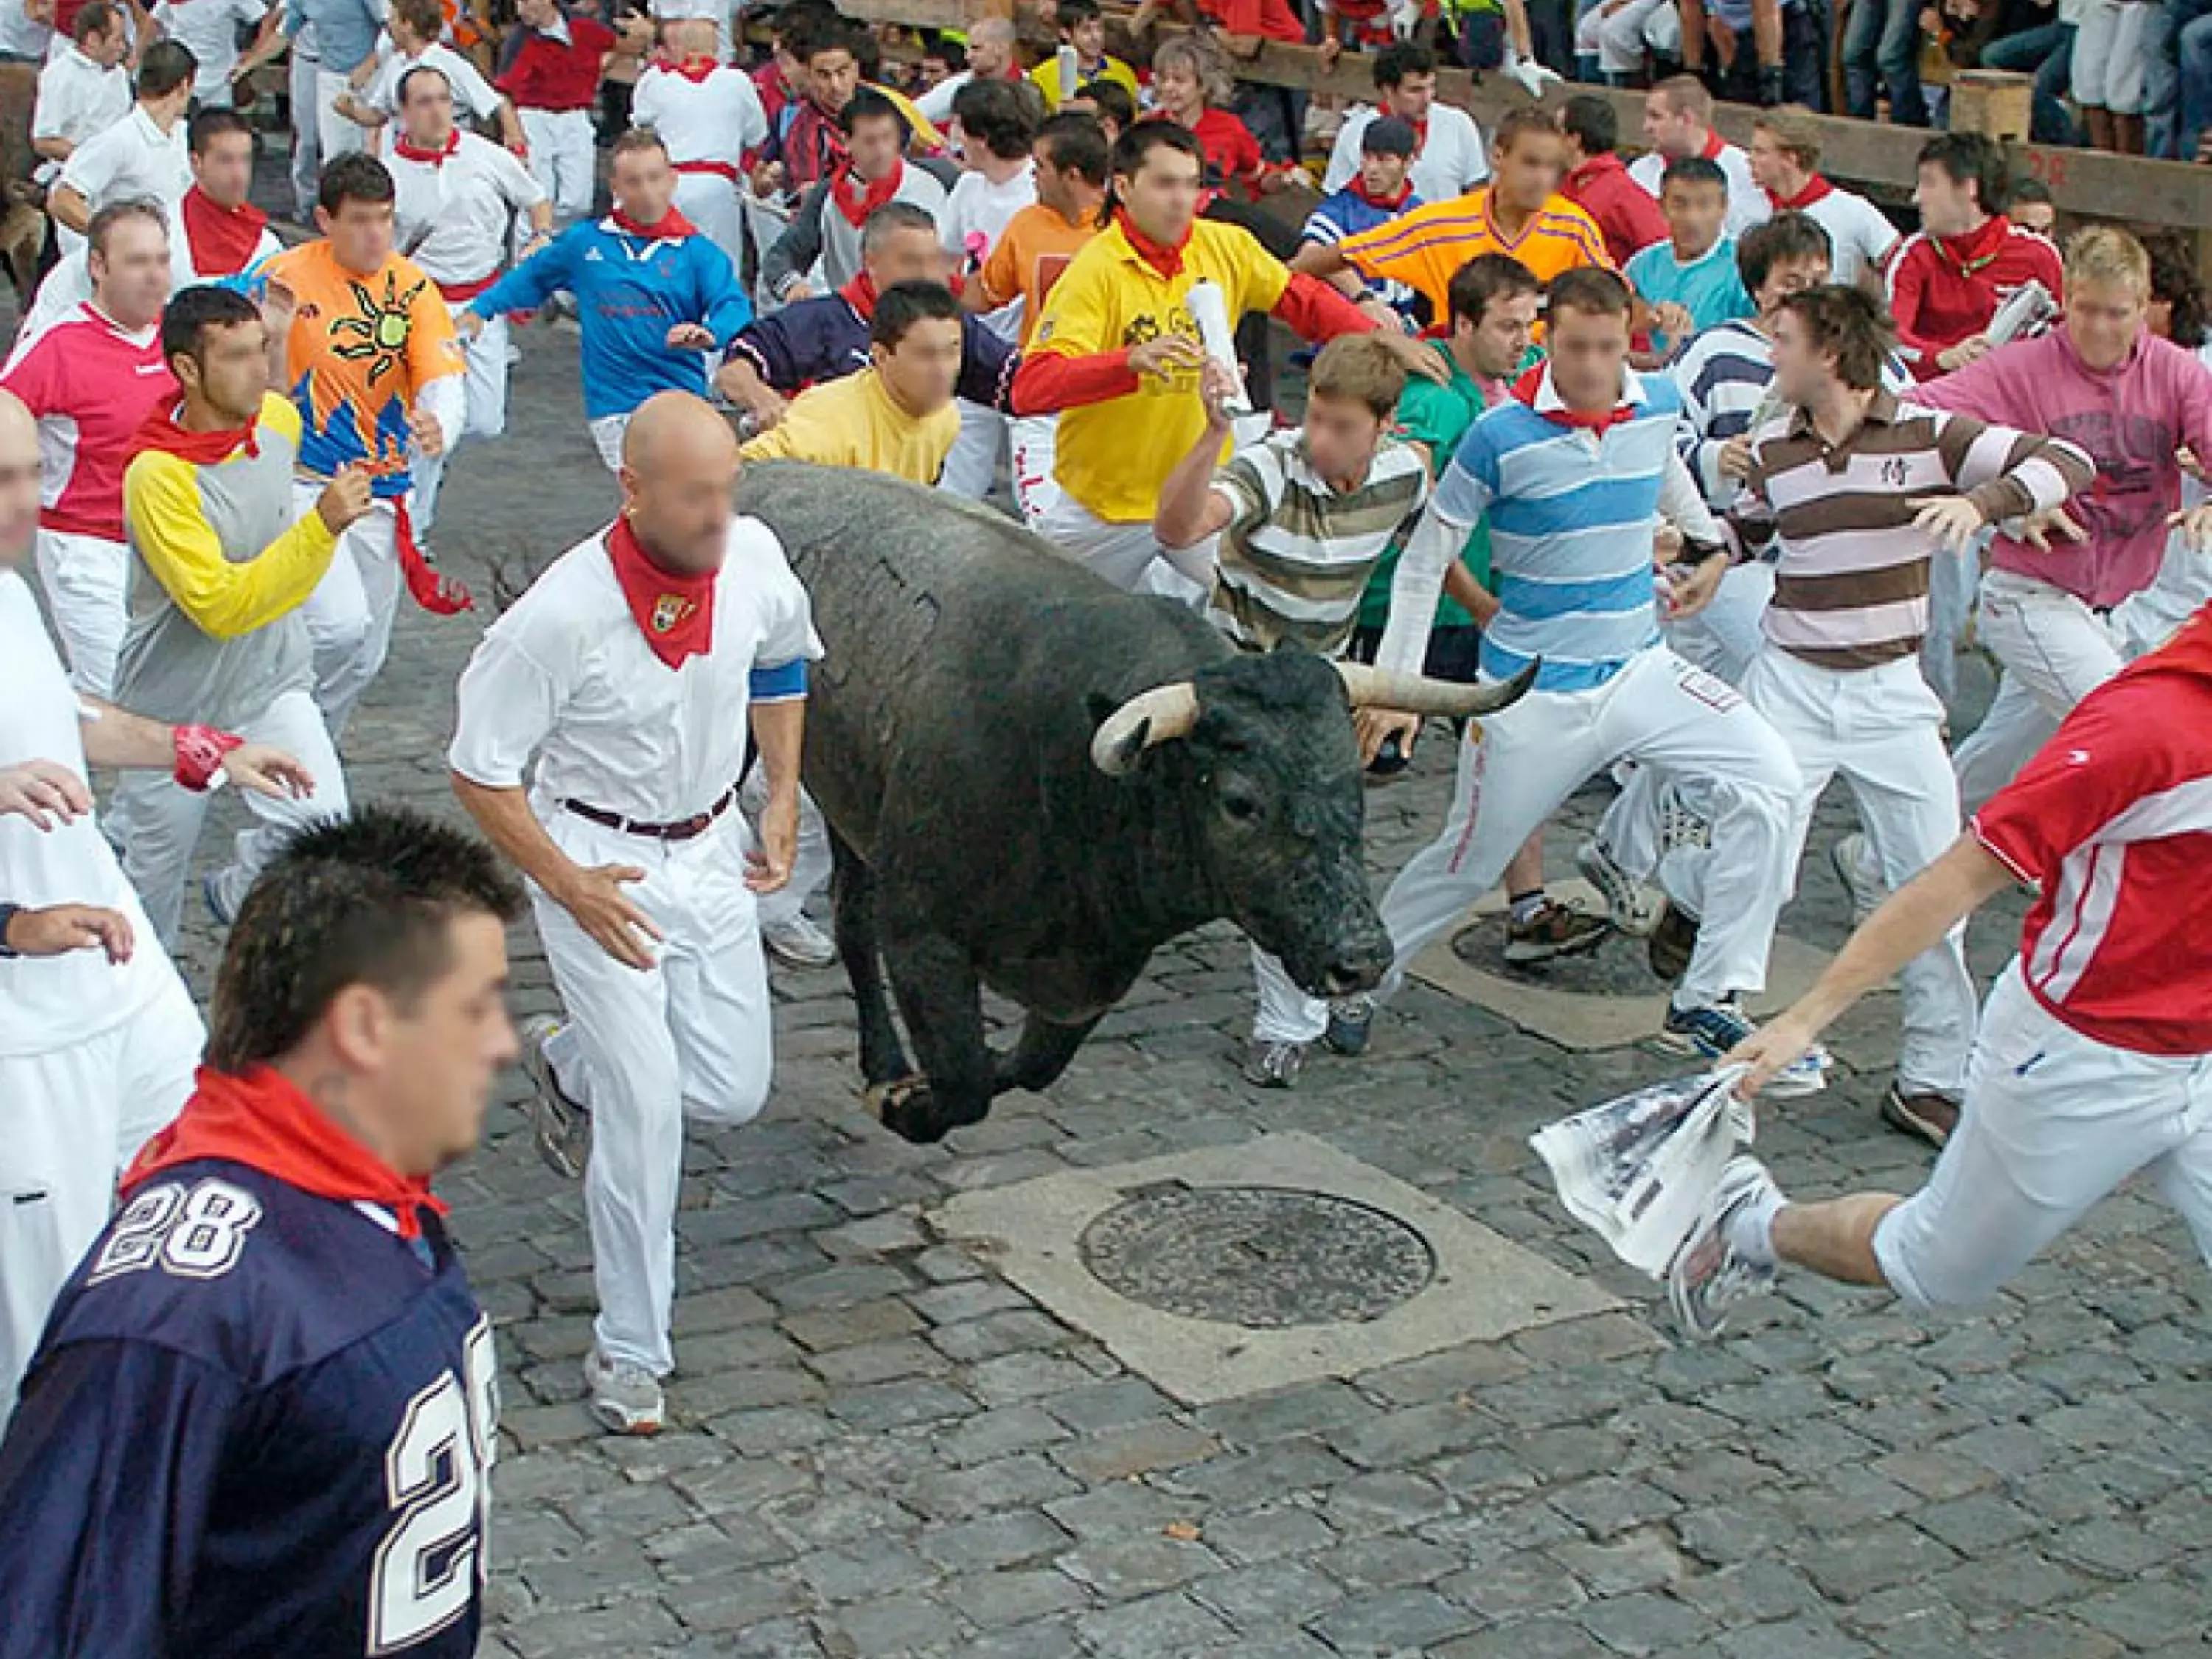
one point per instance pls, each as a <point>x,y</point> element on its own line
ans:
<point>1674,940</point>
<point>1555,930</point>
<point>1932,1117</point>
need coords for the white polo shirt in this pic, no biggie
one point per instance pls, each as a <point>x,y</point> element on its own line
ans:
<point>1747,202</point>
<point>208,30</point>
<point>979,209</point>
<point>567,680</point>
<point>1452,160</point>
<point>1859,237</point>
<point>58,1002</point>
<point>77,101</point>
<point>451,218</point>
<point>473,94</point>
<point>132,159</point>
<point>714,120</point>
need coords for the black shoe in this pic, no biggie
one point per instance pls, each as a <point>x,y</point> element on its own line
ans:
<point>1673,941</point>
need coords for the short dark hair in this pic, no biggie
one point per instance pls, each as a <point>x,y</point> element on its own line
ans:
<point>1400,59</point>
<point>1787,236</point>
<point>1590,122</point>
<point>210,124</point>
<point>1114,101</point>
<point>1140,138</point>
<point>1693,170</point>
<point>364,900</point>
<point>1076,143</point>
<point>996,115</point>
<point>103,223</point>
<point>359,177</point>
<point>951,52</point>
<point>165,66</point>
<point>426,17</point>
<point>1591,289</point>
<point>93,17</point>
<point>1066,14</point>
<point>866,104</point>
<point>2175,278</point>
<point>818,31</point>
<point>1849,324</point>
<point>1968,158</point>
<point>421,69</point>
<point>1521,119</point>
<point>191,312</point>
<point>1486,278</point>
<point>2031,189</point>
<point>903,305</point>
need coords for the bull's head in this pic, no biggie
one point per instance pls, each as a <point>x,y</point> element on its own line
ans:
<point>1270,759</point>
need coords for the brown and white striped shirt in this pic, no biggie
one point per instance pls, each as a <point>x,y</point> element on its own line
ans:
<point>1851,585</point>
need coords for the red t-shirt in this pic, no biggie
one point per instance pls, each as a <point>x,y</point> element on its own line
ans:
<point>547,74</point>
<point>2113,821</point>
<point>1627,214</point>
<point>1232,154</point>
<point>1271,18</point>
<point>1943,289</point>
<point>91,386</point>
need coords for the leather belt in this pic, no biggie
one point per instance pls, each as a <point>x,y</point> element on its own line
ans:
<point>682,829</point>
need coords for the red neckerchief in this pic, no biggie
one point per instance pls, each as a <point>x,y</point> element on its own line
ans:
<point>1387,204</point>
<point>260,1119</point>
<point>675,613</point>
<point>694,70</point>
<point>860,294</point>
<point>855,200</point>
<point>1532,381</point>
<point>1162,257</point>
<point>408,152</point>
<point>669,226</point>
<point>1714,144</point>
<point>159,430</point>
<point>1969,253</point>
<point>1815,188</point>
<point>222,239</point>
<point>1420,134</point>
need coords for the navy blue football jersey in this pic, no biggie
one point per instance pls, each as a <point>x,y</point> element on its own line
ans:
<point>260,1422</point>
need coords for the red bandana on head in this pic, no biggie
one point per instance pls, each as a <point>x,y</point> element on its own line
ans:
<point>1532,381</point>
<point>675,613</point>
<point>671,226</point>
<point>437,158</point>
<point>857,200</point>
<point>1815,188</point>
<point>159,430</point>
<point>261,1120</point>
<point>222,239</point>
<point>1161,256</point>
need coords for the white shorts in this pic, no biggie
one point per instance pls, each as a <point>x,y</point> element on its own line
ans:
<point>2108,55</point>
<point>2053,1120</point>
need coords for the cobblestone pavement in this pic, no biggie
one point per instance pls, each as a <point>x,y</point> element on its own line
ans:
<point>880,1448</point>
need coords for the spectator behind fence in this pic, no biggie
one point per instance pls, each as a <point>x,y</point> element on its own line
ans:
<point>2108,72</point>
<point>1771,51</point>
<point>2046,51</point>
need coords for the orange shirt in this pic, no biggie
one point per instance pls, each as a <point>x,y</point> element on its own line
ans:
<point>1423,249</point>
<point>360,351</point>
<point>1032,250</point>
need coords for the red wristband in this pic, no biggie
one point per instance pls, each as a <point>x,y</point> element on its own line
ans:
<point>200,751</point>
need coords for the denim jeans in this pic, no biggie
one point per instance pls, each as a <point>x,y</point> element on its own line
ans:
<point>1881,44</point>
<point>2046,52</point>
<point>2192,117</point>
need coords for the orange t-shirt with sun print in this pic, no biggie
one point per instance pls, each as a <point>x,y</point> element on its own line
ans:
<point>361,350</point>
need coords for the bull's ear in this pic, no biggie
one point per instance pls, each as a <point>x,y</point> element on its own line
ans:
<point>1102,708</point>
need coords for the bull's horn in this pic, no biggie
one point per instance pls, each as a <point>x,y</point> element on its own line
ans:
<point>1159,715</point>
<point>1417,694</point>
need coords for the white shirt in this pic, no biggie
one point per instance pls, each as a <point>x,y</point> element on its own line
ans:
<point>472,94</point>
<point>132,159</point>
<point>565,679</point>
<point>1451,163</point>
<point>936,104</point>
<point>208,30</point>
<point>978,208</point>
<point>717,120</point>
<point>451,218</point>
<point>77,101</point>
<point>1859,237</point>
<point>58,1002</point>
<point>1747,202</point>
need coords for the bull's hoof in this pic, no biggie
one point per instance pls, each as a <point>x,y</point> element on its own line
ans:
<point>910,1109</point>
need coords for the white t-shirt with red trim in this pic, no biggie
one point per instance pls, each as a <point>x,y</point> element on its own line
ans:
<point>89,383</point>
<point>2113,821</point>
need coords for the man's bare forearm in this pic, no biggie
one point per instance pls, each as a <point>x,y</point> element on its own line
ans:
<point>1180,518</point>
<point>116,737</point>
<point>779,729</point>
<point>66,207</point>
<point>507,823</point>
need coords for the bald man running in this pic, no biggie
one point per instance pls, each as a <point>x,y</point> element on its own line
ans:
<point>601,739</point>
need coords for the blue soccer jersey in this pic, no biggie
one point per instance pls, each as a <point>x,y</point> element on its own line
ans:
<point>260,1422</point>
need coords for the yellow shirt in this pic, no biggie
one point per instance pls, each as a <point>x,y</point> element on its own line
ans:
<point>1046,78</point>
<point>852,421</point>
<point>1424,249</point>
<point>1114,457</point>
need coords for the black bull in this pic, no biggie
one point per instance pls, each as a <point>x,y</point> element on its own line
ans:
<point>1009,808</point>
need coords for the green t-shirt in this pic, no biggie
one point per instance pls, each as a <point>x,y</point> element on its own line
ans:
<point>1436,416</point>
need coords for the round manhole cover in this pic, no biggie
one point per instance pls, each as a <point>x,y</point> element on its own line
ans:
<point>1266,1258</point>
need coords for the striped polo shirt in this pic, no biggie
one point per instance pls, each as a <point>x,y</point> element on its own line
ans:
<point>1850,587</point>
<point>1297,556</point>
<point>1571,516</point>
<point>1724,375</point>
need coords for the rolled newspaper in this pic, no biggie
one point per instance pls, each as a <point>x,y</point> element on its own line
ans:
<point>1070,71</point>
<point>1209,309</point>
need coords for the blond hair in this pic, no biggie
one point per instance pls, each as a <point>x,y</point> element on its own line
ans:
<point>1358,369</point>
<point>2102,253</point>
<point>1686,94</point>
<point>1794,133</point>
<point>1198,54</point>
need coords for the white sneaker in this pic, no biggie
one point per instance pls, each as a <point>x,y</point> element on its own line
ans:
<point>1632,907</point>
<point>798,942</point>
<point>625,1397</point>
<point>1707,1273</point>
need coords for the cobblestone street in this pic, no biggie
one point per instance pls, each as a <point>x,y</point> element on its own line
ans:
<point>881,1447</point>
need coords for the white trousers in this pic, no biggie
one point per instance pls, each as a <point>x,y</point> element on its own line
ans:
<point>2107,67</point>
<point>2055,651</point>
<point>69,1122</point>
<point>972,467</point>
<point>86,581</point>
<point>712,202</point>
<point>810,866</point>
<point>607,436</point>
<point>1725,636</point>
<point>1659,711</point>
<point>2053,1120</point>
<point>1953,579</point>
<point>2148,620</point>
<point>563,159</point>
<point>307,139</point>
<point>334,135</point>
<point>157,821</point>
<point>1285,1014</point>
<point>1619,38</point>
<point>688,1038</point>
<point>1031,440</point>
<point>1129,555</point>
<point>351,612</point>
<point>1881,730</point>
<point>483,383</point>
